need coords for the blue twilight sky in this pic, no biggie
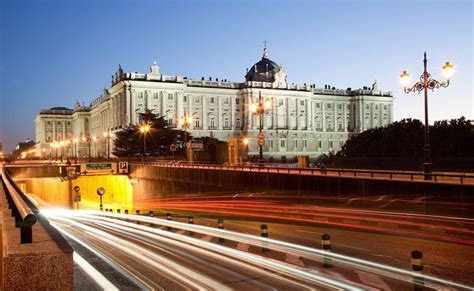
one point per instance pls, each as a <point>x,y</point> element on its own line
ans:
<point>53,53</point>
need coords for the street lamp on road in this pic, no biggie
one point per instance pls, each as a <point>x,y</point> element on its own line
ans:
<point>260,108</point>
<point>425,83</point>
<point>185,121</point>
<point>144,129</point>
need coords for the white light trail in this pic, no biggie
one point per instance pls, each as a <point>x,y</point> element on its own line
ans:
<point>94,274</point>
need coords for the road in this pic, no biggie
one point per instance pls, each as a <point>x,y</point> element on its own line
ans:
<point>141,252</point>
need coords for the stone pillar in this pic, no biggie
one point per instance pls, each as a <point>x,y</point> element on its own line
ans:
<point>128,109</point>
<point>323,108</point>
<point>179,108</point>
<point>204,113</point>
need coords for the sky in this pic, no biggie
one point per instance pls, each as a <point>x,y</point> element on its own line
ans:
<point>54,52</point>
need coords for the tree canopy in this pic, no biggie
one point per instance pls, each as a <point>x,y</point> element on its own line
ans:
<point>129,141</point>
<point>405,138</point>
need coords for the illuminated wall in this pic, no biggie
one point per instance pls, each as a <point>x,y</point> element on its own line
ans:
<point>57,193</point>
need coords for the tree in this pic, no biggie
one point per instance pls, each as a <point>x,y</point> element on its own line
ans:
<point>129,141</point>
<point>405,138</point>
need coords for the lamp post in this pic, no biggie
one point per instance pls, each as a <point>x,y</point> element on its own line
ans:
<point>108,135</point>
<point>94,139</point>
<point>185,121</point>
<point>144,129</point>
<point>75,140</point>
<point>425,83</point>
<point>260,108</point>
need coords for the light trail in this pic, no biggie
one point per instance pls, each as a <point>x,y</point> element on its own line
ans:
<point>343,224</point>
<point>180,273</point>
<point>258,261</point>
<point>269,243</point>
<point>98,278</point>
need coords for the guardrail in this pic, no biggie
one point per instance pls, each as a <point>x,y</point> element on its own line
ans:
<point>379,174</point>
<point>25,218</point>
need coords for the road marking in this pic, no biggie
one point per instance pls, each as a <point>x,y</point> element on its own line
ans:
<point>372,280</point>
<point>251,195</point>
<point>294,259</point>
<point>243,247</point>
<point>236,195</point>
<point>206,238</point>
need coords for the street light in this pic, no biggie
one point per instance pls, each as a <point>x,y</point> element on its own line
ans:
<point>185,121</point>
<point>425,83</point>
<point>144,129</point>
<point>75,140</point>
<point>108,135</point>
<point>94,139</point>
<point>260,108</point>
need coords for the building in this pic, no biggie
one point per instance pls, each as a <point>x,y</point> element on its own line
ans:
<point>303,119</point>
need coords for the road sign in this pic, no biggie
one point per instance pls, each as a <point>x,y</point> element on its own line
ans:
<point>100,191</point>
<point>197,146</point>
<point>77,198</point>
<point>77,189</point>
<point>98,166</point>
<point>123,168</point>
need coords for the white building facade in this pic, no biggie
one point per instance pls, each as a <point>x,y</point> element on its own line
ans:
<point>303,119</point>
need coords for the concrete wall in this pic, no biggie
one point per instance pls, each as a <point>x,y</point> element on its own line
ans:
<point>173,181</point>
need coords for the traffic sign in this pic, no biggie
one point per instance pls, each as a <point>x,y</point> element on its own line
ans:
<point>173,147</point>
<point>123,168</point>
<point>77,188</point>
<point>77,198</point>
<point>100,191</point>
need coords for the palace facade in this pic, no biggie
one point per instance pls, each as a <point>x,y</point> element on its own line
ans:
<point>303,119</point>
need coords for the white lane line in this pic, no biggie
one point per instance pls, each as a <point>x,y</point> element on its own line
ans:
<point>93,273</point>
<point>236,195</point>
<point>206,238</point>
<point>294,259</point>
<point>243,247</point>
<point>372,280</point>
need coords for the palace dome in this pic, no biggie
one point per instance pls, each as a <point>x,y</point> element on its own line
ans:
<point>264,70</point>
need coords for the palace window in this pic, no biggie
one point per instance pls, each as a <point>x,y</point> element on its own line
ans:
<point>296,144</point>
<point>237,123</point>
<point>320,145</point>
<point>185,99</point>
<point>48,123</point>
<point>305,143</point>
<point>328,106</point>
<point>197,123</point>
<point>376,107</point>
<point>226,101</point>
<point>170,96</point>
<point>339,106</point>
<point>318,105</point>
<point>280,102</point>
<point>226,123</point>
<point>330,144</point>
<point>155,96</point>
<point>282,143</point>
<point>341,143</point>
<point>196,99</point>
<point>140,95</point>
<point>237,101</point>
<point>271,143</point>
<point>170,122</point>
<point>385,107</point>
<point>302,102</point>
<point>211,100</point>
<point>367,106</point>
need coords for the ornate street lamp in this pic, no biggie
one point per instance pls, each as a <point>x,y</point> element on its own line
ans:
<point>260,108</point>
<point>425,83</point>
<point>144,129</point>
<point>185,121</point>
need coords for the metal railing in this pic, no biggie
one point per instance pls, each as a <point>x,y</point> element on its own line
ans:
<point>25,218</point>
<point>453,178</point>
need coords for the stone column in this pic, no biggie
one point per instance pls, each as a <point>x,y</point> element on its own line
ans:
<point>323,108</point>
<point>179,108</point>
<point>204,113</point>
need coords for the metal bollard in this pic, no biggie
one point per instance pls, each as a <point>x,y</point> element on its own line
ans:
<point>106,210</point>
<point>326,244</point>
<point>168,217</point>
<point>264,233</point>
<point>137,212</point>
<point>417,267</point>
<point>118,211</point>
<point>220,225</point>
<point>126,211</point>
<point>151,214</point>
<point>191,221</point>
